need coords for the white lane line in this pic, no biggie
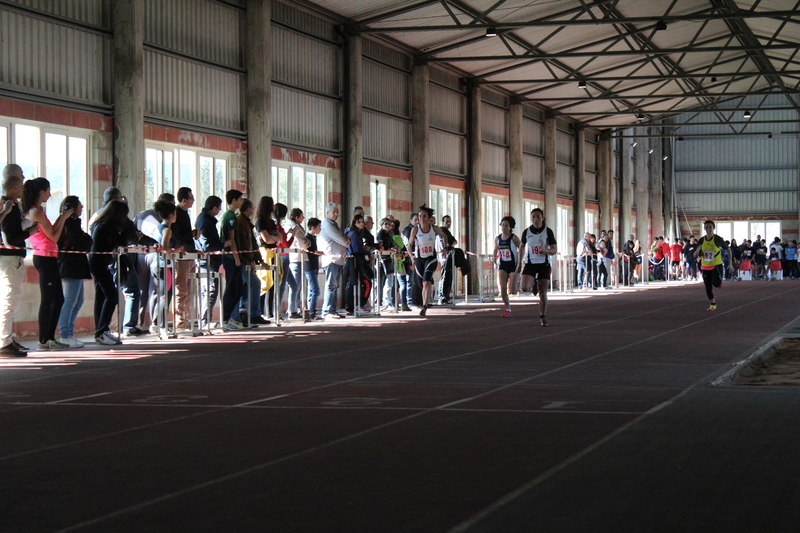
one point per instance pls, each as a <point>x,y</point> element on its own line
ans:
<point>510,497</point>
<point>367,431</point>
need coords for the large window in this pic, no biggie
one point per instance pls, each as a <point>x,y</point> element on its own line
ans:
<point>300,186</point>
<point>493,209</point>
<point>168,168</point>
<point>446,202</point>
<point>59,154</point>
<point>589,224</point>
<point>527,207</point>
<point>562,229</point>
<point>378,202</point>
<point>748,229</point>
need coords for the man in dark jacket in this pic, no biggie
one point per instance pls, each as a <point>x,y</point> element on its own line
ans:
<point>446,281</point>
<point>182,231</point>
<point>209,241</point>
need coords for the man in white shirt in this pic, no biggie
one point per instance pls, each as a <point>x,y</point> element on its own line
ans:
<point>333,244</point>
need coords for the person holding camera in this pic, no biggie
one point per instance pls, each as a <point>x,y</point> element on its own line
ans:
<point>73,268</point>
<point>35,194</point>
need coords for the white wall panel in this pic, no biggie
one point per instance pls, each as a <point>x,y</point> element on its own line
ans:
<point>495,160</point>
<point>386,138</point>
<point>91,12</point>
<point>193,92</point>
<point>201,29</point>
<point>733,180</point>
<point>386,89</point>
<point>448,109</point>
<point>736,152</point>
<point>494,123</point>
<point>532,172</point>
<point>564,180</point>
<point>590,155</point>
<point>532,136</point>
<point>591,186</point>
<point>448,153</point>
<point>54,59</point>
<point>292,62</point>
<point>565,148</point>
<point>303,21</point>
<point>751,203</point>
<point>304,119</point>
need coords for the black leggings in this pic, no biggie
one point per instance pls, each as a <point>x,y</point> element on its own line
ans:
<point>712,277</point>
<point>52,296</point>
<point>105,296</point>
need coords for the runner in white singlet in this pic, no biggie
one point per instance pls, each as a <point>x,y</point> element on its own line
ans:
<point>538,244</point>
<point>422,246</point>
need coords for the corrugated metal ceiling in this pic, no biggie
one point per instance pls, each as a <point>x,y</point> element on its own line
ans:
<point>632,67</point>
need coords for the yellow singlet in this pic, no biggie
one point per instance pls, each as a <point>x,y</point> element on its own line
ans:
<point>711,254</point>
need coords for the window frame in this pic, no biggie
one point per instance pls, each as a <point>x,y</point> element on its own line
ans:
<point>453,195</point>
<point>489,234</point>
<point>378,212</point>
<point>321,197</point>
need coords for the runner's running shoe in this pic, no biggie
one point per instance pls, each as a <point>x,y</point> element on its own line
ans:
<point>544,321</point>
<point>712,307</point>
<point>506,314</point>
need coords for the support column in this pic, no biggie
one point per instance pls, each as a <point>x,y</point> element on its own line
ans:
<point>605,184</point>
<point>626,196</point>
<point>474,175</point>
<point>353,131</point>
<point>129,166</point>
<point>642,180</point>
<point>657,188</point>
<point>579,209</point>
<point>259,98</point>
<point>673,228</point>
<point>515,175</point>
<point>550,181</point>
<point>420,137</point>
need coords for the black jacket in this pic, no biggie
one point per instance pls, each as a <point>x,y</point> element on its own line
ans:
<point>74,239</point>
<point>13,234</point>
<point>182,230</point>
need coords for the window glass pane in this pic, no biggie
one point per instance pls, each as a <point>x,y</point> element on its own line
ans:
<point>434,201</point>
<point>773,230</point>
<point>206,180</point>
<point>274,182</point>
<point>757,229</point>
<point>3,146</point>
<point>283,186</point>
<point>373,200</point>
<point>724,230</point>
<point>55,170</point>
<point>188,160</point>
<point>152,175</point>
<point>740,230</point>
<point>77,168</point>
<point>297,188</point>
<point>220,178</point>
<point>320,193</point>
<point>310,207</point>
<point>26,149</point>
<point>168,171</point>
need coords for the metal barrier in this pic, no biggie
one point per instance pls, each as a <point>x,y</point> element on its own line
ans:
<point>566,268</point>
<point>487,278</point>
<point>210,277</point>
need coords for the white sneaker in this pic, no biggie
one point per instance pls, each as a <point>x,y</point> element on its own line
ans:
<point>107,339</point>
<point>72,342</point>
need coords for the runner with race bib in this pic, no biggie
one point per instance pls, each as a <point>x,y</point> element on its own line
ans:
<point>506,251</point>
<point>711,246</point>
<point>538,244</point>
<point>421,246</point>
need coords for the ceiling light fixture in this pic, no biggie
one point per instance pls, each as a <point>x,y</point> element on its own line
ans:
<point>650,151</point>
<point>666,157</point>
<point>633,144</point>
<point>640,116</point>
<point>661,25</point>
<point>769,136</point>
<point>747,114</point>
<point>581,84</point>
<point>713,79</point>
<point>680,139</point>
<point>491,32</point>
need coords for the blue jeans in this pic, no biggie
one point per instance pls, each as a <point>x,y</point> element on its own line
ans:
<point>132,293</point>
<point>333,275</point>
<point>287,277</point>
<point>233,289</point>
<point>581,263</point>
<point>296,291</point>
<point>73,300</point>
<point>312,281</point>
<point>405,289</point>
<point>253,289</point>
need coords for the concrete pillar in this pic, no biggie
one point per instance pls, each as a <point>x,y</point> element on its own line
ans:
<point>128,87</point>
<point>474,175</point>
<point>605,184</point>
<point>579,207</point>
<point>353,131</point>
<point>420,137</point>
<point>259,98</point>
<point>550,183</point>
<point>515,174</point>
<point>626,196</point>
<point>670,220</point>
<point>642,181</point>
<point>657,187</point>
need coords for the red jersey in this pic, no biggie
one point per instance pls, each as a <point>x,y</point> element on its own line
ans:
<point>664,249</point>
<point>675,252</point>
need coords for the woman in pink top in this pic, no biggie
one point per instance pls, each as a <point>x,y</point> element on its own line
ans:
<point>35,193</point>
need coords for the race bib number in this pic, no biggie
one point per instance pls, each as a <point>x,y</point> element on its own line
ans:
<point>537,250</point>
<point>708,256</point>
<point>426,250</point>
<point>505,254</point>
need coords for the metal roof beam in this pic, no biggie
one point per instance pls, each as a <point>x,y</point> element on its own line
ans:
<point>590,78</point>
<point>390,14</point>
<point>699,16</point>
<point>660,97</point>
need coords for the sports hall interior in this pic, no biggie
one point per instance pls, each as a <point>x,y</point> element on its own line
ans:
<point>646,118</point>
